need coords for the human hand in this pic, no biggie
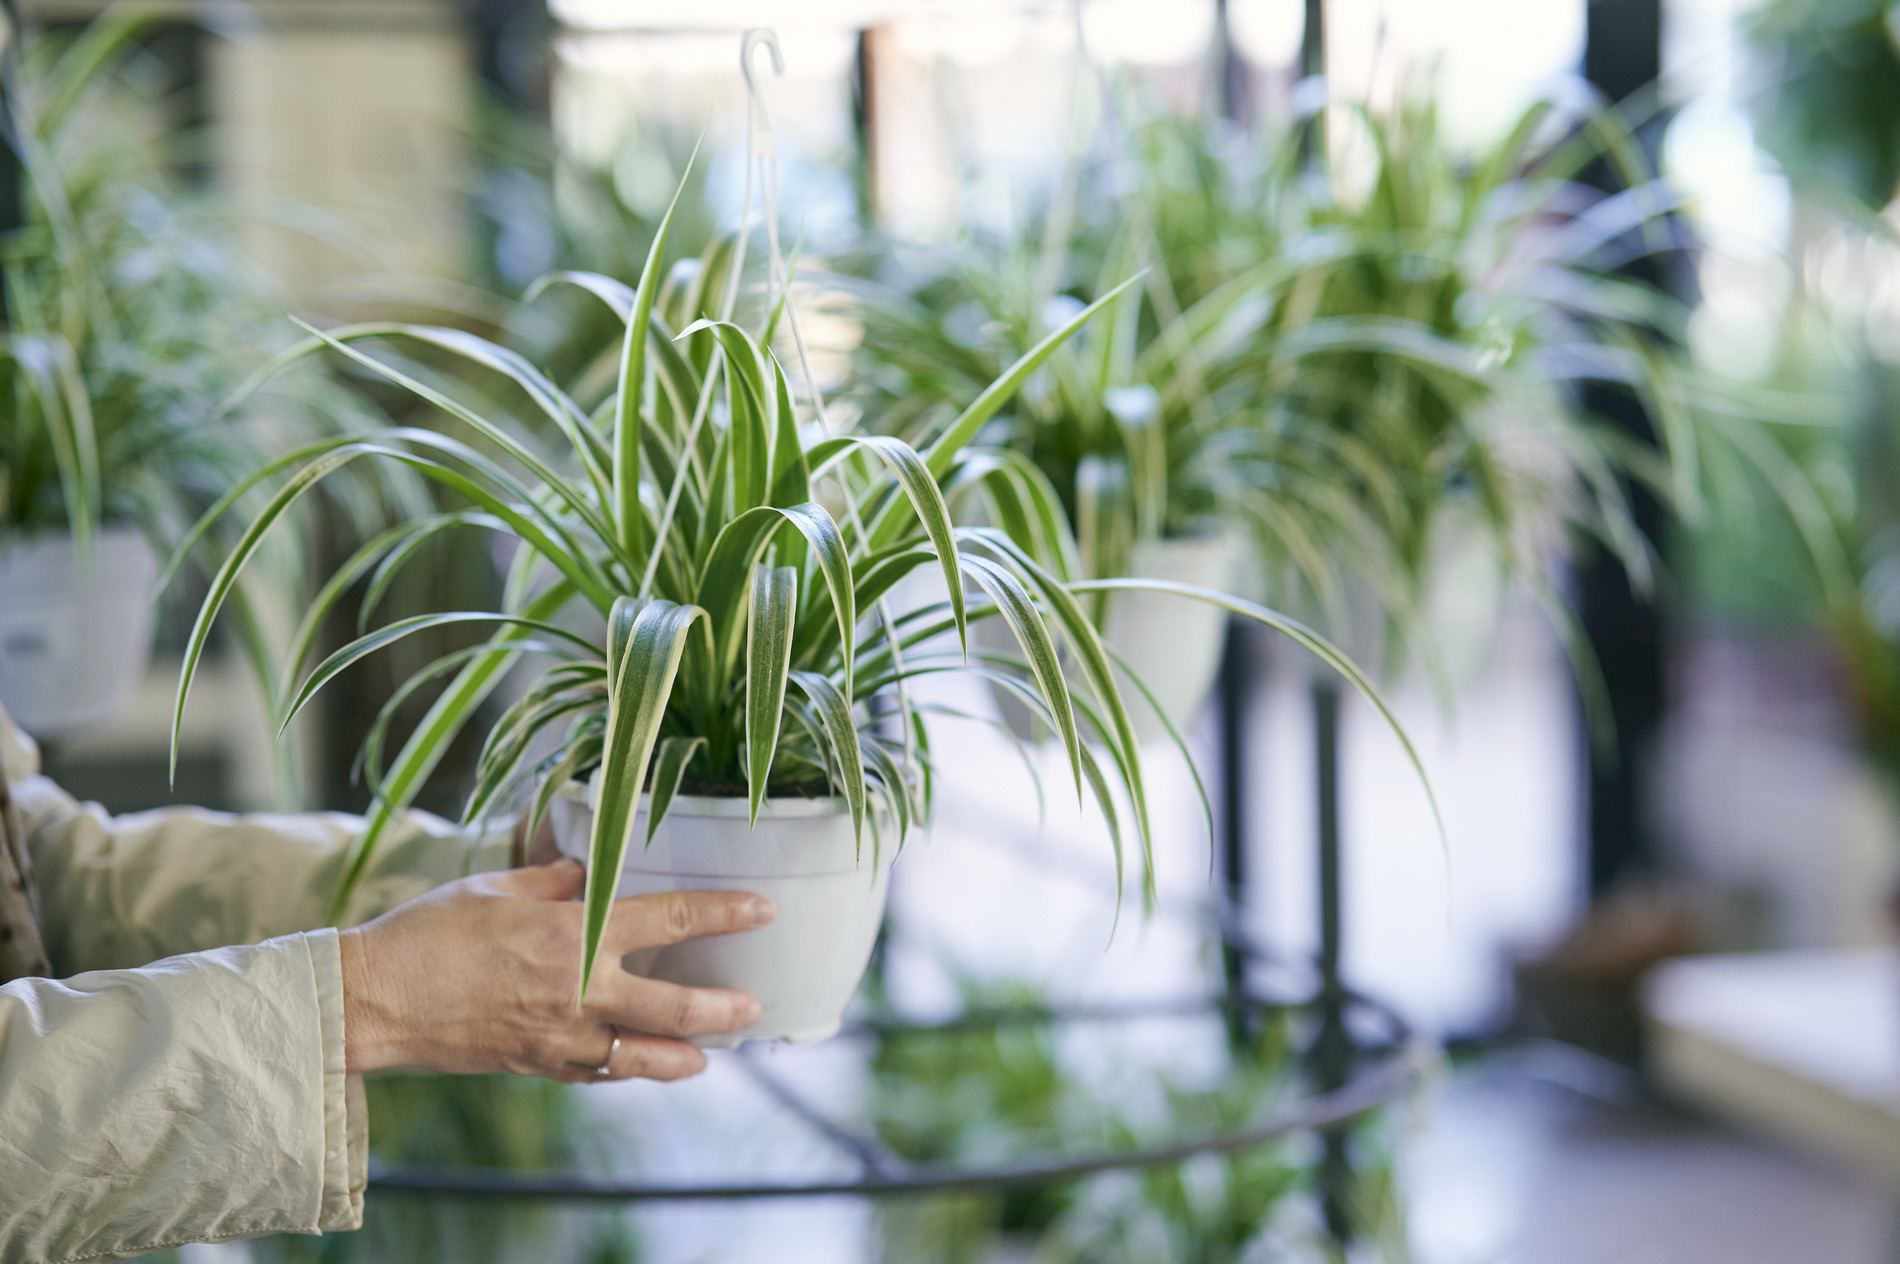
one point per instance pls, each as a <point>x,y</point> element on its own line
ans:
<point>481,974</point>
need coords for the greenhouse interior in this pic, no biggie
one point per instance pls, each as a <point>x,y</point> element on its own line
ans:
<point>1274,626</point>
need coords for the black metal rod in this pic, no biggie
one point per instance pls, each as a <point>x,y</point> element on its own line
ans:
<point>1332,1053</point>
<point>1622,58</point>
<point>1375,1090</point>
<point>871,1154</point>
<point>1313,40</point>
<point>1235,689</point>
<point>864,125</point>
<point>1232,77</point>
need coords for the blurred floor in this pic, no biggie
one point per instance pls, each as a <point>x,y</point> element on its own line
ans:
<point>1542,1159</point>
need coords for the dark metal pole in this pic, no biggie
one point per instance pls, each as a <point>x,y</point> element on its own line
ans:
<point>864,123</point>
<point>1236,688</point>
<point>1313,40</point>
<point>1622,58</point>
<point>1332,1053</point>
<point>1313,67</point>
<point>1231,75</point>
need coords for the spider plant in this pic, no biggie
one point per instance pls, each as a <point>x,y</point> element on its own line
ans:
<point>1491,281</point>
<point>738,560</point>
<point>1344,373</point>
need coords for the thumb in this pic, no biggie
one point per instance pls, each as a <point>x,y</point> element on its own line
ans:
<point>561,880</point>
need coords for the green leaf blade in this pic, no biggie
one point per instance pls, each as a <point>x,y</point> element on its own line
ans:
<point>642,686</point>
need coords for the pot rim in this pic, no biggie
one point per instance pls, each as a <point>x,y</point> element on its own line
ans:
<point>723,806</point>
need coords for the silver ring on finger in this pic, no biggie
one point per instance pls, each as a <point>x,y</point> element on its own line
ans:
<point>606,1068</point>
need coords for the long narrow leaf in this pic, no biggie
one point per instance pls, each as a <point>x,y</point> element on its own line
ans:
<point>642,684</point>
<point>835,713</point>
<point>669,767</point>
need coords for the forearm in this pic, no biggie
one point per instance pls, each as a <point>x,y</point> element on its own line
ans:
<point>199,1099</point>
<point>121,891</point>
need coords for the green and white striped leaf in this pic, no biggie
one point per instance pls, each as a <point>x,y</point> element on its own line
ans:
<point>669,767</point>
<point>835,713</point>
<point>642,685</point>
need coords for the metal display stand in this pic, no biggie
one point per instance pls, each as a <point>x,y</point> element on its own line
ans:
<point>1394,1067</point>
<point>1350,1075</point>
<point>1333,1053</point>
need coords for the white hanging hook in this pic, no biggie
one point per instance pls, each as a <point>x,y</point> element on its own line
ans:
<point>759,133</point>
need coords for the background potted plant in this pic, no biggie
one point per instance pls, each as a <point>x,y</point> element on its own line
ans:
<point>129,319</point>
<point>1438,388</point>
<point>1363,366</point>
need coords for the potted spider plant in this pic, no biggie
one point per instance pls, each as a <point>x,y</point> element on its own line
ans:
<point>706,575</point>
<point>1438,389</point>
<point>1364,380</point>
<point>128,319</point>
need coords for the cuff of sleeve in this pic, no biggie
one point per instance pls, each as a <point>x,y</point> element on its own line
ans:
<point>345,1126</point>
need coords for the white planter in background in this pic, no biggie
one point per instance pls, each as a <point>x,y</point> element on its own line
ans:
<point>804,967</point>
<point>1172,643</point>
<point>74,639</point>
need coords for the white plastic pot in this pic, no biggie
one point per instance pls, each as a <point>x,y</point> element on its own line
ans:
<point>74,639</point>
<point>1172,643</point>
<point>804,967</point>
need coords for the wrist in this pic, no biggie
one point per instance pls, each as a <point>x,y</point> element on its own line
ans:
<point>368,1033</point>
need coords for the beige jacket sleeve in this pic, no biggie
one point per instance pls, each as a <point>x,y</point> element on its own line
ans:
<point>201,1097</point>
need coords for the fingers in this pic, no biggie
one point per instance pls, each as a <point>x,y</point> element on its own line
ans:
<point>650,1058</point>
<point>649,921</point>
<point>635,1057</point>
<point>658,1008</point>
<point>561,880</point>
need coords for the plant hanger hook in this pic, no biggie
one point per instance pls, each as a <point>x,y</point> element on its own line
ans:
<point>759,130</point>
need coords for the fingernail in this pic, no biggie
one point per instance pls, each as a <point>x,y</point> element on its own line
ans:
<point>750,1011</point>
<point>759,910</point>
<point>569,862</point>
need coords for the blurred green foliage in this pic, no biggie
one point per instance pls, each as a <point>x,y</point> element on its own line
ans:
<point>1357,350</point>
<point>132,313</point>
<point>1830,113</point>
<point>993,1093</point>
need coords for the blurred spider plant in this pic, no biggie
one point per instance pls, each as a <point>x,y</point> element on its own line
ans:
<point>130,317</point>
<point>541,209</point>
<point>1122,422</point>
<point>1490,281</point>
<point>1345,373</point>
